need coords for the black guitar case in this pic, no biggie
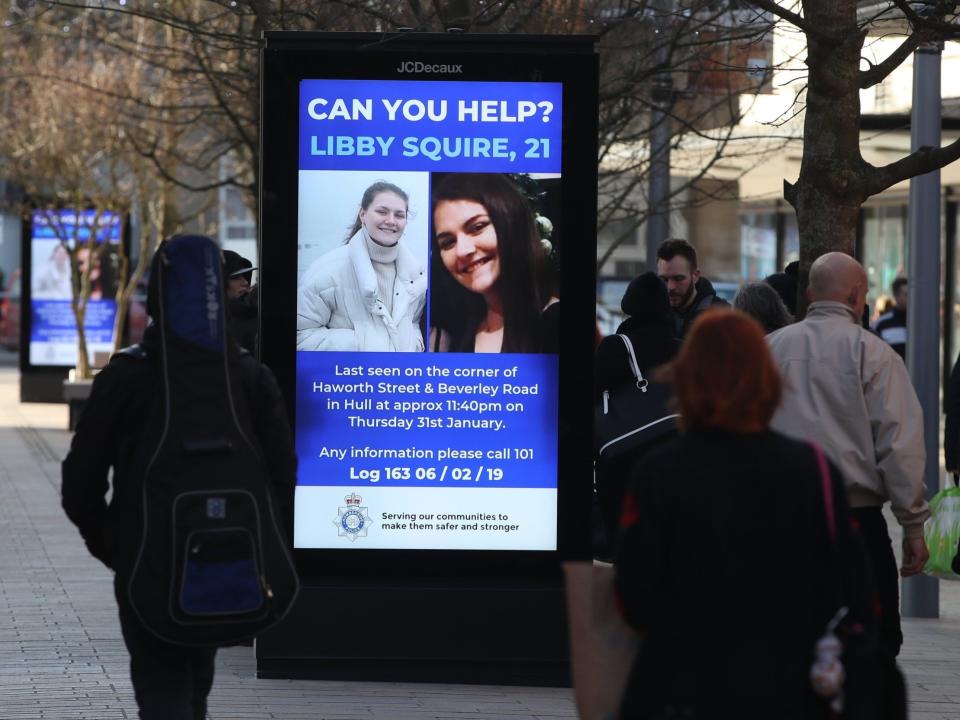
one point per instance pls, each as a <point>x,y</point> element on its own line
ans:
<point>213,566</point>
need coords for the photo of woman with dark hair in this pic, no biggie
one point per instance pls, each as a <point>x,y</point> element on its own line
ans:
<point>491,285</point>
<point>369,293</point>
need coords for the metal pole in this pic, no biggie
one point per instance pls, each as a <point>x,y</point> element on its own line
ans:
<point>921,594</point>
<point>658,197</point>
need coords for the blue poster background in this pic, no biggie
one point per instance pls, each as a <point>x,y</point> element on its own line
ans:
<point>534,429</point>
<point>53,321</point>
<point>436,126</point>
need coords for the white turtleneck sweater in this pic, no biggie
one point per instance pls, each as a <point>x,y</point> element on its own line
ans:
<point>384,261</point>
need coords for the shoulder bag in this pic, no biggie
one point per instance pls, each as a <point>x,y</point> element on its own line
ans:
<point>632,415</point>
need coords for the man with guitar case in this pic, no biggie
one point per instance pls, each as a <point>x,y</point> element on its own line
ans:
<point>203,464</point>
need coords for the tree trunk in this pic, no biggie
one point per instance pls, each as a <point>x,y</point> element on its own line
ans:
<point>83,356</point>
<point>833,175</point>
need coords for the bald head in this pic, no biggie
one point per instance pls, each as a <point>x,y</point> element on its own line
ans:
<point>838,277</point>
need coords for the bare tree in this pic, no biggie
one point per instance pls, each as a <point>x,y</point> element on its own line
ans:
<point>692,60</point>
<point>834,178</point>
<point>206,52</point>
<point>71,150</point>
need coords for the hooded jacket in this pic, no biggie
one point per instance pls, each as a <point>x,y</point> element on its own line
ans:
<point>849,391</point>
<point>338,307</point>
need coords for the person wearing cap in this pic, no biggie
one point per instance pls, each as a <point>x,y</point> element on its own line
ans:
<point>368,294</point>
<point>239,272</point>
<point>242,299</point>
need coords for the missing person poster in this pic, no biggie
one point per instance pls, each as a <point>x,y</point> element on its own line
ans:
<point>55,234</point>
<point>428,314</point>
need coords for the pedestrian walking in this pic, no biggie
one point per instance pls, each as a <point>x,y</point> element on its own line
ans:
<point>725,560</point>
<point>649,329</point>
<point>951,422</point>
<point>190,333</point>
<point>849,391</point>
<point>761,302</point>
<point>690,293</point>
<point>243,300</point>
<point>891,326</point>
<point>785,283</point>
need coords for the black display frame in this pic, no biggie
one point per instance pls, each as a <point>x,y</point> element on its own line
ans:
<point>288,58</point>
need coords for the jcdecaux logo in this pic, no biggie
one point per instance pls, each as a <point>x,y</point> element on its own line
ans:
<point>415,66</point>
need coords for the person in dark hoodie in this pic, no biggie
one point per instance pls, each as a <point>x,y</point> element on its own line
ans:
<point>242,299</point>
<point>649,326</point>
<point>169,681</point>
<point>785,283</point>
<point>689,292</point>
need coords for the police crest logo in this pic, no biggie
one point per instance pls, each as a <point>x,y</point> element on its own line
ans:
<point>352,521</point>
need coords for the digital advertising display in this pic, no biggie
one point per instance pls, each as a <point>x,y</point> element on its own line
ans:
<point>426,259</point>
<point>428,314</point>
<point>54,235</point>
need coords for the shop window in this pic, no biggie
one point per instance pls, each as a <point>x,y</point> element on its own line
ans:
<point>629,268</point>
<point>884,249</point>
<point>758,245</point>
<point>791,240</point>
<point>623,231</point>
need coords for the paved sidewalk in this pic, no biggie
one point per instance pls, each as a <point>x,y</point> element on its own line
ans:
<point>61,655</point>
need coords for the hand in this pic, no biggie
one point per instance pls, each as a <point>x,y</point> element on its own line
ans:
<point>915,555</point>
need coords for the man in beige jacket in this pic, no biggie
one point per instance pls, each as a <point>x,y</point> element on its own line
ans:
<point>849,391</point>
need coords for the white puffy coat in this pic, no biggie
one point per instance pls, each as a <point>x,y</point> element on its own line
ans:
<point>338,307</point>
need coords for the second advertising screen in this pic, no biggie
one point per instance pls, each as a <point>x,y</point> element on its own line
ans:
<point>55,235</point>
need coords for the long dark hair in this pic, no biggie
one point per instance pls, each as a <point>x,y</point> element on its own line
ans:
<point>524,285</point>
<point>369,194</point>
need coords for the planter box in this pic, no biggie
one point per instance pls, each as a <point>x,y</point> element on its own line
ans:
<point>76,392</point>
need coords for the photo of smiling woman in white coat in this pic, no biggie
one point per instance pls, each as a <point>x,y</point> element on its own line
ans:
<point>369,293</point>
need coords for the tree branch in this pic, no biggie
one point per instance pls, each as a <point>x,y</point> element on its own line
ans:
<point>877,73</point>
<point>924,160</point>
<point>935,23</point>
<point>792,17</point>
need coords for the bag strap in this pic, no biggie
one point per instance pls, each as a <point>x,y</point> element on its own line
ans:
<point>827,486</point>
<point>829,510</point>
<point>634,365</point>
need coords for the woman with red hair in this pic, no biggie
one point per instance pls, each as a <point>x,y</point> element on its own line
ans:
<point>725,560</point>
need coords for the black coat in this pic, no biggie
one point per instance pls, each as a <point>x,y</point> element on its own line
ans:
<point>706,298</point>
<point>107,436</point>
<point>951,424</point>
<point>244,321</point>
<point>654,345</point>
<point>725,564</point>
<point>652,341</point>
